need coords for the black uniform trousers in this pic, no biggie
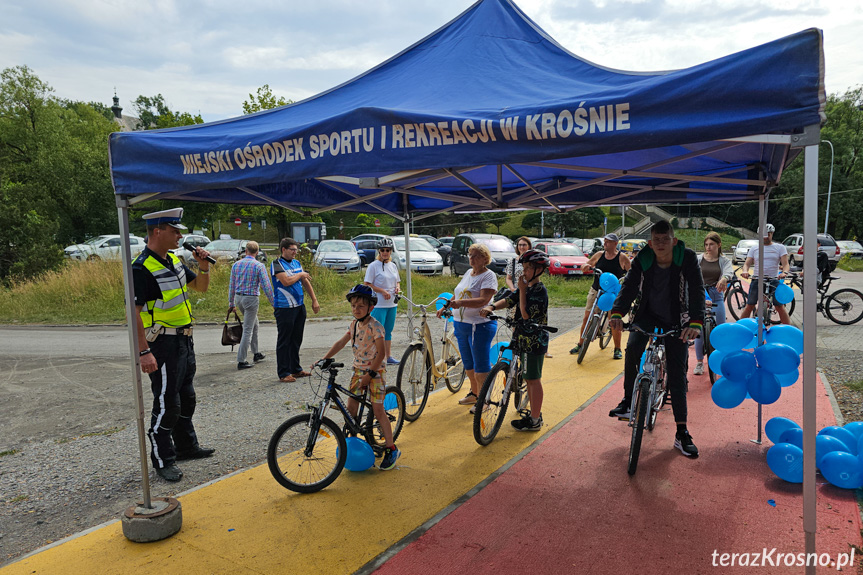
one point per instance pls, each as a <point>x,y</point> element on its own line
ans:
<point>171,428</point>
<point>290,325</point>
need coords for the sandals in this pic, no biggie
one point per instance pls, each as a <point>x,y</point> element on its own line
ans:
<point>468,399</point>
<point>288,379</point>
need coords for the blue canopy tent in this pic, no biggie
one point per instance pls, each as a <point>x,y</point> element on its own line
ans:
<point>490,113</point>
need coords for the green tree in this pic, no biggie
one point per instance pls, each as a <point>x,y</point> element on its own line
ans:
<point>155,113</point>
<point>263,100</point>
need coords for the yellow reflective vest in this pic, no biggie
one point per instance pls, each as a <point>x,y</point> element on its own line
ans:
<point>172,309</point>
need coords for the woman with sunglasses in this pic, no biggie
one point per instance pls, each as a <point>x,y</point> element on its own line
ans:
<point>382,276</point>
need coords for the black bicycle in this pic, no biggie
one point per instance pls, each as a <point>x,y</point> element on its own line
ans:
<point>843,306</point>
<point>649,392</point>
<point>308,451</point>
<point>597,328</point>
<point>736,296</point>
<point>709,324</point>
<point>504,379</point>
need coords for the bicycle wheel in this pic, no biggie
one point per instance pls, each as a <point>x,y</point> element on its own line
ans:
<point>520,390</point>
<point>588,337</point>
<point>708,347</point>
<point>491,403</point>
<point>844,306</point>
<point>736,300</point>
<point>305,458</point>
<point>394,404</point>
<point>453,365</point>
<point>642,390</point>
<point>604,331</point>
<point>414,379</point>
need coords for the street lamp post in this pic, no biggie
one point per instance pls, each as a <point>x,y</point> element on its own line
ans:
<point>829,185</point>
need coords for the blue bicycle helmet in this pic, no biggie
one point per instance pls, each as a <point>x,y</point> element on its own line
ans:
<point>362,290</point>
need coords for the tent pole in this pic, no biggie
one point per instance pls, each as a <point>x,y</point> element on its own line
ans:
<point>810,231</point>
<point>759,308</point>
<point>135,361</point>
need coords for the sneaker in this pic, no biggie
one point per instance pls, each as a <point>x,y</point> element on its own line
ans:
<point>171,473</point>
<point>622,409</point>
<point>468,399</point>
<point>618,353</point>
<point>244,365</point>
<point>258,357</point>
<point>527,423</point>
<point>196,453</point>
<point>392,361</point>
<point>390,458</point>
<point>575,350</point>
<point>683,442</point>
<point>699,368</point>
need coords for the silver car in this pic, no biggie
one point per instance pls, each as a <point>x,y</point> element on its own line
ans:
<point>104,248</point>
<point>338,255</point>
<point>424,258</point>
<point>850,248</point>
<point>741,250</point>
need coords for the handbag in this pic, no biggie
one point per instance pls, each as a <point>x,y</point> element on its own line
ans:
<point>232,333</point>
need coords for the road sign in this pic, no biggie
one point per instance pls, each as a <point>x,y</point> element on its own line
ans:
<point>238,221</point>
<point>250,226</point>
<point>377,223</point>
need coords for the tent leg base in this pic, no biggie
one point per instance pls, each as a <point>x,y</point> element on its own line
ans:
<point>143,525</point>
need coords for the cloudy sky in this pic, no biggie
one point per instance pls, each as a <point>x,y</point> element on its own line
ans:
<point>207,56</point>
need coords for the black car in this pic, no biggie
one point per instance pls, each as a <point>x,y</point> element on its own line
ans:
<point>441,248</point>
<point>501,249</point>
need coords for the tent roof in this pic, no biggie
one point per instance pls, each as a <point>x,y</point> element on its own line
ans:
<point>488,113</point>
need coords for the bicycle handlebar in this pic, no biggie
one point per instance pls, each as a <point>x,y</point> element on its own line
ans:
<point>523,323</point>
<point>328,364</point>
<point>669,333</point>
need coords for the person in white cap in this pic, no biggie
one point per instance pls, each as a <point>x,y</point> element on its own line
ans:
<point>612,260</point>
<point>164,323</point>
<point>775,267</point>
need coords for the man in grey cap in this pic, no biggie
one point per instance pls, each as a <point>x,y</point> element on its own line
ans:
<point>164,323</point>
<point>612,260</point>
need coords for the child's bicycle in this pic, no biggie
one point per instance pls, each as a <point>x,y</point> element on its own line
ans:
<point>308,451</point>
<point>649,392</point>
<point>597,328</point>
<point>505,378</point>
<point>419,370</point>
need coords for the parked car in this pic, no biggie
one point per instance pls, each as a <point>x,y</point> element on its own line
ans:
<point>338,255</point>
<point>195,240</point>
<point>441,248</point>
<point>850,248</point>
<point>632,246</point>
<point>741,249</point>
<point>587,245</point>
<point>424,258</point>
<point>362,237</point>
<point>231,250</point>
<point>367,249</point>
<point>104,248</point>
<point>565,259</point>
<point>502,250</point>
<point>446,240</point>
<point>794,245</point>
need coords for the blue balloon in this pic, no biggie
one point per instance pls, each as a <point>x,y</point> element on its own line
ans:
<point>776,426</point>
<point>787,334</point>
<point>440,303</point>
<point>390,401</point>
<point>824,444</point>
<point>496,354</point>
<point>750,324</point>
<point>842,470</point>
<point>727,393</point>
<point>786,461</point>
<point>609,283</point>
<point>360,454</point>
<point>843,435</point>
<point>794,436</point>
<point>855,427</point>
<point>606,301</point>
<point>788,379</point>
<point>764,387</point>
<point>738,365</point>
<point>714,362</point>
<point>730,337</point>
<point>783,294</point>
<point>777,358</point>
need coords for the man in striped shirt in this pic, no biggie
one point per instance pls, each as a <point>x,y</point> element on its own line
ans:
<point>248,276</point>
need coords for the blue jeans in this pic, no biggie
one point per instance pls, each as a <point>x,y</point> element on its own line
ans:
<point>387,317</point>
<point>474,344</point>
<point>716,298</point>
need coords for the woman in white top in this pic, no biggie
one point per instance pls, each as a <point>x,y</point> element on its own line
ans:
<point>473,332</point>
<point>382,276</point>
<point>717,271</point>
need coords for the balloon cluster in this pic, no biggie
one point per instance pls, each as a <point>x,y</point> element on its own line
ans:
<point>837,451</point>
<point>761,374</point>
<point>610,286</point>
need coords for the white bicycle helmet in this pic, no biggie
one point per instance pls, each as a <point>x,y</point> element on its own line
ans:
<point>769,229</point>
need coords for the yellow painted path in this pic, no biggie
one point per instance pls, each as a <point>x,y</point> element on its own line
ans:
<point>247,523</point>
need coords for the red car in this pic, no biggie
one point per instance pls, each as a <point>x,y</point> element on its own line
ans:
<point>566,259</point>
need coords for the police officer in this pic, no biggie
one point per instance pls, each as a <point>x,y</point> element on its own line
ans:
<point>164,322</point>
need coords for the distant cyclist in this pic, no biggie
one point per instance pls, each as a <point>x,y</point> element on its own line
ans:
<point>531,301</point>
<point>775,267</point>
<point>667,276</point>
<point>610,260</point>
<point>366,335</point>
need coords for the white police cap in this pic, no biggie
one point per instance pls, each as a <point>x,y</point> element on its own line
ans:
<point>171,217</point>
